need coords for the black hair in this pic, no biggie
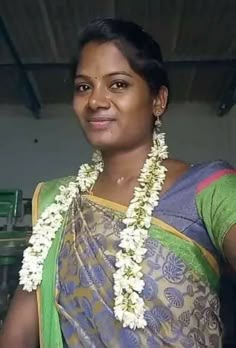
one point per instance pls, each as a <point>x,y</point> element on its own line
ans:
<point>140,49</point>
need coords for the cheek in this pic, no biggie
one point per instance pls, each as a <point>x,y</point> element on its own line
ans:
<point>136,110</point>
<point>75,105</point>
<point>78,107</point>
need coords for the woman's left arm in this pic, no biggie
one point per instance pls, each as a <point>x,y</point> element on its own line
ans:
<point>229,247</point>
<point>216,203</point>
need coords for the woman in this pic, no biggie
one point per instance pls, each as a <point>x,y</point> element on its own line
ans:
<point>131,247</point>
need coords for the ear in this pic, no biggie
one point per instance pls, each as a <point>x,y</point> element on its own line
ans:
<point>160,101</point>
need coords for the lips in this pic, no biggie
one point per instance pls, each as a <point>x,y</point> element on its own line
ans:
<point>101,122</point>
<point>101,119</point>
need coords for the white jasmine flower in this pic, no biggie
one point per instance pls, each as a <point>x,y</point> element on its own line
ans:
<point>129,306</point>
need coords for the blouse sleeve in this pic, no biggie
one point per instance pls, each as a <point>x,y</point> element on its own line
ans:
<point>216,203</point>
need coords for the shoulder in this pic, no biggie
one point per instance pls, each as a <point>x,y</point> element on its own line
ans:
<point>176,166</point>
<point>214,166</point>
<point>207,174</point>
<point>46,192</point>
<point>175,170</point>
<point>52,186</point>
<point>200,171</point>
<point>194,178</point>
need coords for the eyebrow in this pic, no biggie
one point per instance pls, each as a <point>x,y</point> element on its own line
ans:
<point>83,76</point>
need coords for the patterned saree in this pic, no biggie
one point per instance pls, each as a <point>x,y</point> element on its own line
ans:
<point>181,267</point>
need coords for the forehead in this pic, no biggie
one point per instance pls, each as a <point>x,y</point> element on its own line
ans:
<point>102,57</point>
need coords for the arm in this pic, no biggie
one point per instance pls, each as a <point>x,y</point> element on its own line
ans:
<point>20,329</point>
<point>229,247</point>
<point>216,205</point>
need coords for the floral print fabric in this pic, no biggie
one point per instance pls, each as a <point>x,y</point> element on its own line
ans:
<point>182,310</point>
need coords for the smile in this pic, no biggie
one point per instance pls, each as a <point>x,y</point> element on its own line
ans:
<point>101,124</point>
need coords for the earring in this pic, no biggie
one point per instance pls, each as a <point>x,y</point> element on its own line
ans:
<point>158,122</point>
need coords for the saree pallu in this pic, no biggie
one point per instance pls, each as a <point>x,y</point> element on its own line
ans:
<point>182,309</point>
<point>180,271</point>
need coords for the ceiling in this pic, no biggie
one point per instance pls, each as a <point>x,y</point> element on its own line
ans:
<point>38,40</point>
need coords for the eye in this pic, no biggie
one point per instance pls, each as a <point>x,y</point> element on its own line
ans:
<point>81,87</point>
<point>119,85</point>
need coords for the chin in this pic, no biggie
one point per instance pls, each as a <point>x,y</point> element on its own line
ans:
<point>101,143</point>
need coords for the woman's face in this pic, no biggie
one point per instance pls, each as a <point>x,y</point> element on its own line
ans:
<point>113,103</point>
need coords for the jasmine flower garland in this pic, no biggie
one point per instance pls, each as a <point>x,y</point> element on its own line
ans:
<point>129,307</point>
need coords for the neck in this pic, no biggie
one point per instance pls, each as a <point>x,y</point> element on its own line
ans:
<point>125,165</point>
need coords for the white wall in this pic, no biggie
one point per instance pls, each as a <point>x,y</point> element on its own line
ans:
<point>194,134</point>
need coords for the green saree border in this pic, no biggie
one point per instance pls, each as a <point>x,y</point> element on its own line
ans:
<point>49,324</point>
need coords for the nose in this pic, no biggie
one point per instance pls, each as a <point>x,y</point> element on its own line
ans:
<point>98,99</point>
